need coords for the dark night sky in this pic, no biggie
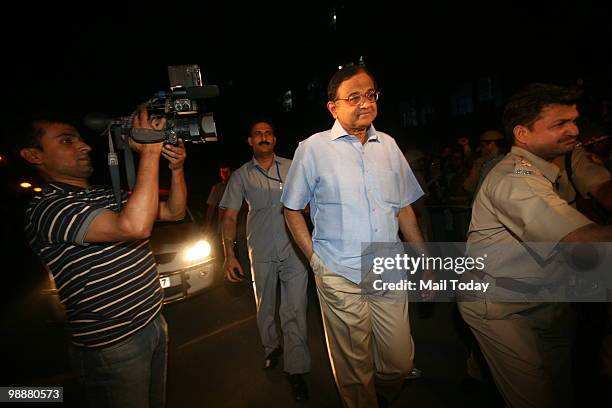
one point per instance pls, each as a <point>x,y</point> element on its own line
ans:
<point>78,60</point>
<point>115,57</point>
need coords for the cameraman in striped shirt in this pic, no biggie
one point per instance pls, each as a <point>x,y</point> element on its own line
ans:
<point>100,258</point>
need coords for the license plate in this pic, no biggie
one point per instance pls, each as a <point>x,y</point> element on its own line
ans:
<point>165,282</point>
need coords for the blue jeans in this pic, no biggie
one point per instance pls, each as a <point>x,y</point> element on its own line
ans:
<point>129,374</point>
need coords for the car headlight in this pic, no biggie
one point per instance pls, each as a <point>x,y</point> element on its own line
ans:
<point>198,251</point>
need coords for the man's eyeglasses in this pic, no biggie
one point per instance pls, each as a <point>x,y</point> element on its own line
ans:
<point>357,98</point>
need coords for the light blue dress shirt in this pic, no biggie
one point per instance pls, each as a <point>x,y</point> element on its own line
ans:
<point>355,193</point>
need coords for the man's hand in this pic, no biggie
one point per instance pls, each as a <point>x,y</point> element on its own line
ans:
<point>141,121</point>
<point>176,155</point>
<point>428,276</point>
<point>230,266</point>
<point>297,225</point>
<point>156,122</point>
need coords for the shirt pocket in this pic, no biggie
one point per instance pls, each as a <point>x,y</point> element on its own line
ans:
<point>389,187</point>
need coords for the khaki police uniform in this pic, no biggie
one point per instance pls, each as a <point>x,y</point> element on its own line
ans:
<point>483,165</point>
<point>587,175</point>
<point>585,172</point>
<point>526,344</point>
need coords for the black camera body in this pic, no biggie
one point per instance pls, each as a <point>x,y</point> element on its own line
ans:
<point>182,106</point>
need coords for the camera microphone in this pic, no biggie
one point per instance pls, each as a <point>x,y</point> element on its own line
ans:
<point>97,122</point>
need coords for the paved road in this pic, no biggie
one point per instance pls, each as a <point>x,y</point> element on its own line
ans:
<point>215,357</point>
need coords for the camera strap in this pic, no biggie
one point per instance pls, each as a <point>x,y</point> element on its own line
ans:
<point>130,171</point>
<point>113,165</point>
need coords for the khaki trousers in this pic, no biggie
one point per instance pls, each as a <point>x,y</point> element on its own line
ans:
<point>368,337</point>
<point>527,347</point>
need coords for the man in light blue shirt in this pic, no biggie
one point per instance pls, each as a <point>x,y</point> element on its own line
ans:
<point>360,188</point>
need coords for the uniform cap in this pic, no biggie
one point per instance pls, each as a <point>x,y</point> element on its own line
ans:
<point>491,135</point>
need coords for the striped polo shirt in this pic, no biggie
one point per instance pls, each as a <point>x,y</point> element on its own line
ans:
<point>110,289</point>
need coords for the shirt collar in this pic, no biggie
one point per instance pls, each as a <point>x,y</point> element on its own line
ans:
<point>548,169</point>
<point>56,185</point>
<point>255,163</point>
<point>337,131</point>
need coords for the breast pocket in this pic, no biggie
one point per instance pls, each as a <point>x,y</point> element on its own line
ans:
<point>389,187</point>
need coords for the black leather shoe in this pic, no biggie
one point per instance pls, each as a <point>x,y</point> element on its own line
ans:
<point>298,387</point>
<point>272,359</point>
<point>414,374</point>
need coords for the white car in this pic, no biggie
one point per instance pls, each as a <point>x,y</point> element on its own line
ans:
<point>185,258</point>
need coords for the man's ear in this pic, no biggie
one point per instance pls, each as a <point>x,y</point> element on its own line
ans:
<point>520,134</point>
<point>31,155</point>
<point>331,107</point>
<point>250,141</point>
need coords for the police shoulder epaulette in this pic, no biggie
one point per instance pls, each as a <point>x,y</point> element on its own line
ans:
<point>522,166</point>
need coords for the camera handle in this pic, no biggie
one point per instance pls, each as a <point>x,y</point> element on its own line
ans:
<point>143,135</point>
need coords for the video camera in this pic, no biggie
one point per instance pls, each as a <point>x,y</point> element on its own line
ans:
<point>181,106</point>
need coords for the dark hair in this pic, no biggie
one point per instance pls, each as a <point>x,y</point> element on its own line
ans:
<point>261,120</point>
<point>525,106</point>
<point>27,132</point>
<point>342,75</point>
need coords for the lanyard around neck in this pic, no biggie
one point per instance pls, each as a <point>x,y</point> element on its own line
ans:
<point>279,179</point>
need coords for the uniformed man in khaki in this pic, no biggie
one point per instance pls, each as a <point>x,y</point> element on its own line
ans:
<point>588,182</point>
<point>591,180</point>
<point>527,345</point>
<point>491,154</point>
